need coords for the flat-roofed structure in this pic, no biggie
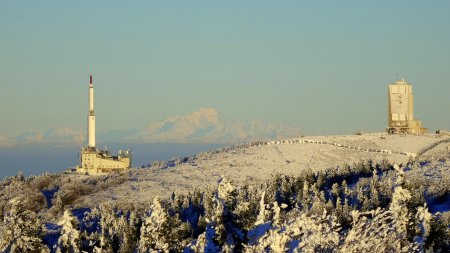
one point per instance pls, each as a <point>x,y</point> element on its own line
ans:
<point>401,109</point>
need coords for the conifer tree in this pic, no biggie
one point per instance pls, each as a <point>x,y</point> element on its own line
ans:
<point>375,231</point>
<point>155,229</point>
<point>263,214</point>
<point>69,241</point>
<point>205,242</point>
<point>318,204</point>
<point>21,230</point>
<point>127,233</point>
<point>424,219</point>
<point>345,188</point>
<point>374,193</point>
<point>335,191</point>
<point>400,198</point>
<point>316,233</point>
<point>276,221</point>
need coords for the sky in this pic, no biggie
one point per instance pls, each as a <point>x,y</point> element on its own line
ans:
<point>321,66</point>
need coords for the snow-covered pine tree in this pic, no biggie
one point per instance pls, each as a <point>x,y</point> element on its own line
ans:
<point>155,229</point>
<point>90,229</point>
<point>307,198</point>
<point>314,233</point>
<point>286,190</point>
<point>305,233</point>
<point>261,225</point>
<point>400,198</point>
<point>127,233</point>
<point>274,240</point>
<point>361,196</point>
<point>374,200</point>
<point>276,221</point>
<point>345,188</point>
<point>226,191</point>
<point>204,243</point>
<point>108,226</point>
<point>339,211</point>
<point>335,192</point>
<point>179,233</point>
<point>246,209</point>
<point>423,217</point>
<point>21,230</point>
<point>69,241</point>
<point>318,204</point>
<point>221,217</point>
<point>375,231</point>
<point>263,214</point>
<point>17,187</point>
<point>320,181</point>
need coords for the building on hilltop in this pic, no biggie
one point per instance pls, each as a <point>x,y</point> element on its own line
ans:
<point>94,161</point>
<point>401,109</point>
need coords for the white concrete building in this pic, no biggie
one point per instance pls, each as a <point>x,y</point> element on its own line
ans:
<point>94,161</point>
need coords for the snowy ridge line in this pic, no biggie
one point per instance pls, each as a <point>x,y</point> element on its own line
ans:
<point>306,141</point>
<point>339,145</point>
<point>191,159</point>
<point>432,146</point>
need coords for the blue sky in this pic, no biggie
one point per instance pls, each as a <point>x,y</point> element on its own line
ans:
<point>321,66</point>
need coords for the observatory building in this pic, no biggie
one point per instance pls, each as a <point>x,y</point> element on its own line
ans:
<point>94,161</point>
<point>401,109</point>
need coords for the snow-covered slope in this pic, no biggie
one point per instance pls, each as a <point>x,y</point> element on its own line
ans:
<point>208,126</point>
<point>314,187</point>
<point>256,162</point>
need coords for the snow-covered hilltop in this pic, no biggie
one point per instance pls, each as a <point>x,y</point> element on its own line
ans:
<point>256,162</point>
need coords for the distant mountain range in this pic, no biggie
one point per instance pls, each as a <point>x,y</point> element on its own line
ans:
<point>208,126</point>
<point>55,136</point>
<point>6,142</point>
<point>205,125</point>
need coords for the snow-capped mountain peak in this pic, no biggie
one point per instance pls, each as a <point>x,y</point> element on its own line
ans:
<point>206,125</point>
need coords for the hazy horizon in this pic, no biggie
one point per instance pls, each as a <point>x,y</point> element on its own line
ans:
<point>321,67</point>
<point>32,160</point>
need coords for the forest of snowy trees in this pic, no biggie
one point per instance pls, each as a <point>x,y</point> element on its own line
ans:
<point>365,207</point>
